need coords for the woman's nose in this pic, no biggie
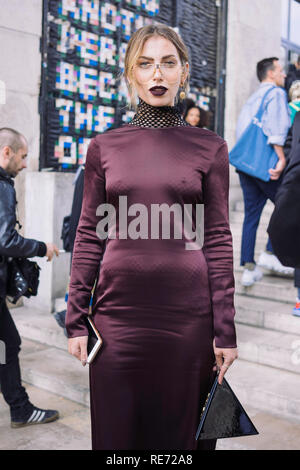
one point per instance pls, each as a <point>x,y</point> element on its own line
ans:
<point>156,68</point>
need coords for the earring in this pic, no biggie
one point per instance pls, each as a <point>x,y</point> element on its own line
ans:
<point>182,94</point>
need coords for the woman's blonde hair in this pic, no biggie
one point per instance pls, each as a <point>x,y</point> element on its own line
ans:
<point>135,46</point>
<point>294,91</point>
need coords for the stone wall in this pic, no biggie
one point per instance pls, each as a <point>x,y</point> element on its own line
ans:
<point>43,198</point>
<point>254,32</point>
<point>20,64</point>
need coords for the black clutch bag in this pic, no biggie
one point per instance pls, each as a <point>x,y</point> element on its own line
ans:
<point>223,415</point>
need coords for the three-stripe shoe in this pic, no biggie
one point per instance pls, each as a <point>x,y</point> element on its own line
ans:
<point>37,416</point>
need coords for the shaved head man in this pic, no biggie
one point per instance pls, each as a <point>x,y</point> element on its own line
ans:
<point>13,153</point>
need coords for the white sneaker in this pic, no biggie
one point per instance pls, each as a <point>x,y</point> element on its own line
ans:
<point>250,277</point>
<point>272,263</point>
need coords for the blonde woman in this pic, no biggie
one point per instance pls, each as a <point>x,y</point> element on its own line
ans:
<point>294,95</point>
<point>165,311</point>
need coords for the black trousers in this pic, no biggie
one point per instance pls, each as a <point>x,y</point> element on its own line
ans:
<point>10,375</point>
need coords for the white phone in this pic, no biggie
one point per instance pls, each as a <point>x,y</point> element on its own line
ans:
<point>94,340</point>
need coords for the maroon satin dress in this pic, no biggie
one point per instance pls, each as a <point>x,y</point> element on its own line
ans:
<point>158,306</point>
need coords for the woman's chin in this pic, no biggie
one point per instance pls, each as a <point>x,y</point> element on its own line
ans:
<point>163,100</point>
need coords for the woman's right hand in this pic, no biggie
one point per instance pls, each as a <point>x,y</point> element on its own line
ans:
<point>78,348</point>
<point>224,358</point>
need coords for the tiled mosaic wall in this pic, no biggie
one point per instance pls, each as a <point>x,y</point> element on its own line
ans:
<point>83,53</point>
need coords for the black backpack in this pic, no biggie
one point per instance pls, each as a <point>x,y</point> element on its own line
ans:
<point>65,233</point>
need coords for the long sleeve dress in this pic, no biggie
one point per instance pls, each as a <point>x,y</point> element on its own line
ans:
<point>157,306</point>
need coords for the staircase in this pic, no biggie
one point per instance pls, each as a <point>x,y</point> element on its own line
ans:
<point>266,376</point>
<point>45,361</point>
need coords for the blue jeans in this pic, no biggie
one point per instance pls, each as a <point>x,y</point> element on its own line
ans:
<point>256,193</point>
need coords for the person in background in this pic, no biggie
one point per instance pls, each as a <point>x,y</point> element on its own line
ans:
<point>293,74</point>
<point>197,117</point>
<point>13,153</point>
<point>185,104</point>
<point>284,226</point>
<point>294,95</point>
<point>294,106</point>
<point>275,125</point>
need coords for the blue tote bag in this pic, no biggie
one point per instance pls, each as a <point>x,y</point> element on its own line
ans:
<point>252,154</point>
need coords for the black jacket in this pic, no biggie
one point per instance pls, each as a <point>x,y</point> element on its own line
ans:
<point>11,243</point>
<point>292,75</point>
<point>284,225</point>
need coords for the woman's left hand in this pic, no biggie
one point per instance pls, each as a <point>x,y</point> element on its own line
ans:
<point>224,359</point>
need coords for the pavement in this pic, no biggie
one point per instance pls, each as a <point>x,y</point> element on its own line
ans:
<point>72,430</point>
<point>266,377</point>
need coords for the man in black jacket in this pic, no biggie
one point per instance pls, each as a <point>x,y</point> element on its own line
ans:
<point>13,153</point>
<point>284,226</point>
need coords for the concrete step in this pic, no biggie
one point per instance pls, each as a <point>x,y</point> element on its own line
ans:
<point>44,358</point>
<point>265,388</point>
<point>266,314</point>
<point>276,349</point>
<point>269,438</point>
<point>55,370</point>
<point>51,368</point>
<point>266,304</point>
<point>72,431</point>
<point>39,326</point>
<point>256,385</point>
<point>270,288</point>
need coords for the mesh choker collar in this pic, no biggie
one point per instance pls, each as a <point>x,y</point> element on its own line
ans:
<point>148,115</point>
